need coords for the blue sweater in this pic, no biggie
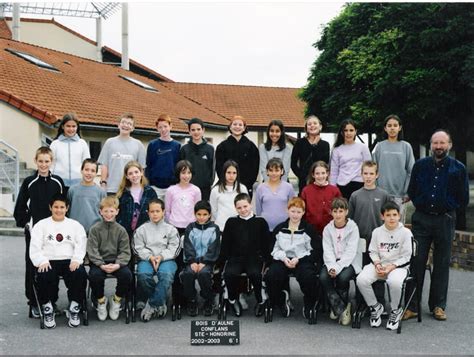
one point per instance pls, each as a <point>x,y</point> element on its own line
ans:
<point>161,159</point>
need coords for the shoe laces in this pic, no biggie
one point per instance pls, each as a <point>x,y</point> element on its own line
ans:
<point>393,316</point>
<point>374,312</point>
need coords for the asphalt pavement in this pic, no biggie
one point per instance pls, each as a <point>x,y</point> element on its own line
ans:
<point>290,336</point>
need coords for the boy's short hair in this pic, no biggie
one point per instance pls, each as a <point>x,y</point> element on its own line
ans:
<point>369,163</point>
<point>59,197</point>
<point>202,205</point>
<point>127,116</point>
<point>89,161</point>
<point>297,202</point>
<point>109,201</point>
<point>163,117</point>
<point>156,201</point>
<point>195,121</point>
<point>44,150</point>
<point>339,203</point>
<point>388,206</point>
<point>238,117</point>
<point>181,166</point>
<point>242,196</point>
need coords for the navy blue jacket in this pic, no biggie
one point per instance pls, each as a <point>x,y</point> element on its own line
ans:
<point>202,243</point>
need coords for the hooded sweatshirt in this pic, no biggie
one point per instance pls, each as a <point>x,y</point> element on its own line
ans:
<point>68,154</point>
<point>391,246</point>
<point>201,156</point>
<point>347,244</point>
<point>202,243</point>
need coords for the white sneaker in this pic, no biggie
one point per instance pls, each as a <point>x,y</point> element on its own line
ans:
<point>140,305</point>
<point>243,302</point>
<point>394,319</point>
<point>345,318</point>
<point>102,310</point>
<point>73,314</point>
<point>161,311</point>
<point>332,315</point>
<point>48,313</point>
<point>114,308</point>
<point>147,312</point>
<point>375,315</point>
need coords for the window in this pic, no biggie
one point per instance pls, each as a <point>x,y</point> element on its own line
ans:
<point>94,147</point>
<point>139,83</point>
<point>46,140</point>
<point>32,59</point>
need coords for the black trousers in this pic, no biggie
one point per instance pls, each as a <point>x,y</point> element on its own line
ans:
<point>337,289</point>
<point>48,282</point>
<point>204,277</point>
<point>305,273</point>
<point>97,280</point>
<point>232,271</point>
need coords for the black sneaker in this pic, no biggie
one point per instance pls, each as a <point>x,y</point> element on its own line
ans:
<point>236,307</point>
<point>192,308</point>
<point>259,308</point>
<point>34,312</point>
<point>209,307</point>
<point>285,306</point>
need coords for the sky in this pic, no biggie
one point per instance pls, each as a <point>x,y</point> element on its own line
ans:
<point>252,43</point>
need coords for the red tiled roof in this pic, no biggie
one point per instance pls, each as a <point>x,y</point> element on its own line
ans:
<point>5,31</point>
<point>258,105</point>
<point>91,89</point>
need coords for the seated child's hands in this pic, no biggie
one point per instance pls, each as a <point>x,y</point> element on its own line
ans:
<point>195,267</point>
<point>380,270</point>
<point>155,261</point>
<point>294,262</point>
<point>201,266</point>
<point>332,273</point>
<point>44,267</point>
<point>287,262</point>
<point>73,265</point>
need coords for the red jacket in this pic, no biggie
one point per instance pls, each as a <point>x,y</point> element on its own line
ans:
<point>318,201</point>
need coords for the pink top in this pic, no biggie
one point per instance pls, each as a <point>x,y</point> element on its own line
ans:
<point>179,204</point>
<point>346,163</point>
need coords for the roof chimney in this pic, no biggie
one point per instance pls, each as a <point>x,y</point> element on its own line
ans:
<point>125,59</point>
<point>16,21</point>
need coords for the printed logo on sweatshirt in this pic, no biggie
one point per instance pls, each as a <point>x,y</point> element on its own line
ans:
<point>388,247</point>
<point>204,157</point>
<point>376,199</point>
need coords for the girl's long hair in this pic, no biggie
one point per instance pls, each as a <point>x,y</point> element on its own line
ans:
<point>125,183</point>
<point>340,133</point>
<point>68,117</point>
<point>281,142</point>
<point>221,183</point>
<point>310,179</point>
<point>397,118</point>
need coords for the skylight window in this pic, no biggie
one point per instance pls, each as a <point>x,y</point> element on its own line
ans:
<point>32,59</point>
<point>139,83</point>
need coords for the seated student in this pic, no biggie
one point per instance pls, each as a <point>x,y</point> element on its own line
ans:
<point>245,249</point>
<point>341,263</point>
<point>390,251</point>
<point>297,250</point>
<point>201,249</point>
<point>57,248</point>
<point>108,249</point>
<point>157,244</point>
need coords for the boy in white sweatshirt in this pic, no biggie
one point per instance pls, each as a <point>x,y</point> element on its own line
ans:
<point>390,250</point>
<point>57,248</point>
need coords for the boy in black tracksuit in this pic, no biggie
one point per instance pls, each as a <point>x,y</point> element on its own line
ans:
<point>245,249</point>
<point>32,206</point>
<point>201,156</point>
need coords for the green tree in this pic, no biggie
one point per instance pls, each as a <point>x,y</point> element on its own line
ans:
<point>412,59</point>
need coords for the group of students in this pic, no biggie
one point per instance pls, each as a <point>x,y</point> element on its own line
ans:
<point>127,214</point>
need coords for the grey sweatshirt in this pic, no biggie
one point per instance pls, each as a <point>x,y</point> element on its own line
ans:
<point>391,247</point>
<point>349,242</point>
<point>156,239</point>
<point>395,161</point>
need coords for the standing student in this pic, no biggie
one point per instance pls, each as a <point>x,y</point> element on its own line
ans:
<point>201,155</point>
<point>32,205</point>
<point>162,155</point>
<point>245,249</point>
<point>341,261</point>
<point>58,247</point>
<point>117,152</point>
<point>275,147</point>
<point>224,192</point>
<point>69,150</point>
<point>395,160</point>
<point>308,150</point>
<point>347,158</point>
<point>84,198</point>
<point>181,198</point>
<point>272,196</point>
<point>318,196</point>
<point>239,148</point>
<point>134,194</point>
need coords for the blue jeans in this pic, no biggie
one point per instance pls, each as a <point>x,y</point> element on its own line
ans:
<point>155,292</point>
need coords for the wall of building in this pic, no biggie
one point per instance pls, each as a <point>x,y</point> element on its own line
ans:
<point>51,36</point>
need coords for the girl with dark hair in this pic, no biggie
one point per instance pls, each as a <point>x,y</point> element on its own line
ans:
<point>395,160</point>
<point>309,149</point>
<point>347,158</point>
<point>69,150</point>
<point>275,147</point>
<point>224,192</point>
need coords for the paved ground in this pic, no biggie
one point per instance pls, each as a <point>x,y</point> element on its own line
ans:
<point>21,335</point>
